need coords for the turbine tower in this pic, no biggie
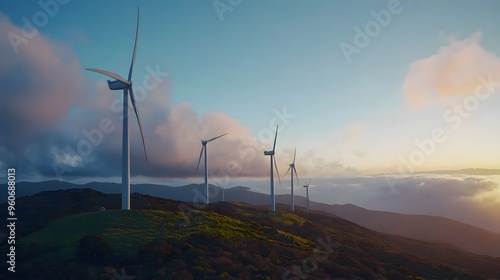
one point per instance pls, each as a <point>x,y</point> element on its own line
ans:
<point>273,160</point>
<point>119,83</point>
<point>307,194</point>
<point>204,149</point>
<point>292,168</point>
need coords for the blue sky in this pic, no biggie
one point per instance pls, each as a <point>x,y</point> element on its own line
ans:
<point>376,111</point>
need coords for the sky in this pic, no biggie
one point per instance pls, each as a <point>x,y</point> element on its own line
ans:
<point>359,88</point>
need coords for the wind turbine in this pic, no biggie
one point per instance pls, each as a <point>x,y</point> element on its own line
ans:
<point>307,194</point>
<point>204,149</point>
<point>119,83</point>
<point>273,160</point>
<point>292,168</point>
<point>223,194</point>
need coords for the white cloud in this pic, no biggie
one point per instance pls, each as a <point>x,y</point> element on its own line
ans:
<point>454,70</point>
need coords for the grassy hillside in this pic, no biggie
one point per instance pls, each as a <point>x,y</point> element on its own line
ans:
<point>80,198</point>
<point>120,227</point>
<point>167,239</point>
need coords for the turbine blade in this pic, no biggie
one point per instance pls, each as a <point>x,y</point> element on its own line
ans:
<point>217,137</point>
<point>192,131</point>
<point>288,170</point>
<point>136,110</point>
<point>201,153</point>
<point>257,145</point>
<point>109,74</point>
<point>309,182</point>
<point>277,171</point>
<point>296,176</point>
<point>135,48</point>
<point>275,137</point>
<point>294,154</point>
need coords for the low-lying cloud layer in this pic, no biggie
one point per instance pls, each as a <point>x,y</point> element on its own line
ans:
<point>471,199</point>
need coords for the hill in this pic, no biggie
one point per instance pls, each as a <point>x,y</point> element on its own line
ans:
<point>166,239</point>
<point>422,227</point>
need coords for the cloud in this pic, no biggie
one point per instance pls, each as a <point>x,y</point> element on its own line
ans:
<point>470,199</point>
<point>454,70</point>
<point>473,200</point>
<point>311,164</point>
<point>40,84</point>
<point>176,144</point>
<point>170,133</point>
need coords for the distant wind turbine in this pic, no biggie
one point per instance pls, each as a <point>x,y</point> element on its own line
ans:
<point>126,85</point>
<point>292,168</point>
<point>273,160</point>
<point>307,194</point>
<point>204,149</point>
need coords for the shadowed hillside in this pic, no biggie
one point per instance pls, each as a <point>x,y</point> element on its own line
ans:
<point>423,227</point>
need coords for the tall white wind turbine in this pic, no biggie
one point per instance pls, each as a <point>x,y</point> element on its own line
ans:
<point>204,149</point>
<point>293,169</point>
<point>119,83</point>
<point>307,194</point>
<point>273,160</point>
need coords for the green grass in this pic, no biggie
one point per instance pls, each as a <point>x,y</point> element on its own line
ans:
<point>116,226</point>
<point>288,219</point>
<point>293,219</point>
<point>302,242</point>
<point>128,231</point>
<point>230,228</point>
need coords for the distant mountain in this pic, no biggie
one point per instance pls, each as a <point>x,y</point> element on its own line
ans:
<point>167,239</point>
<point>422,227</point>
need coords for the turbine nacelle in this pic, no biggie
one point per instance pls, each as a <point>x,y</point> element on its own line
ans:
<point>204,147</point>
<point>118,85</point>
<point>309,183</point>
<point>268,153</point>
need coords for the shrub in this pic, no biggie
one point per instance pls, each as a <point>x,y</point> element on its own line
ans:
<point>198,272</point>
<point>93,249</point>
<point>155,253</point>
